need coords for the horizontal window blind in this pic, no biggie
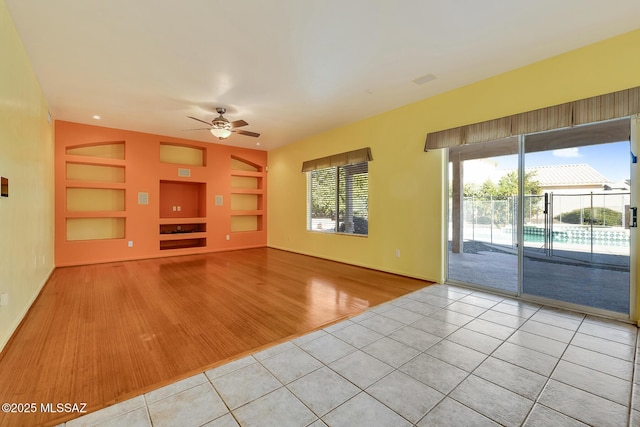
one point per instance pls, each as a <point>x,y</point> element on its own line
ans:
<point>338,199</point>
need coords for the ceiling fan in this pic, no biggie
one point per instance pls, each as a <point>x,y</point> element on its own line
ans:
<point>222,128</point>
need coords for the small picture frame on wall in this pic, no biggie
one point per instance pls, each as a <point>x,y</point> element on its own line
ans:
<point>4,187</point>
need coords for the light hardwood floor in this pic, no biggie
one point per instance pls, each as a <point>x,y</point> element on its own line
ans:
<point>100,334</point>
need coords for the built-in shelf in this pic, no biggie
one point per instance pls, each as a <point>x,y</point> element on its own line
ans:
<point>244,223</point>
<point>95,188</point>
<point>182,199</point>
<point>199,220</point>
<point>95,228</point>
<point>247,213</point>
<point>94,184</point>
<point>99,150</point>
<point>92,172</point>
<point>247,190</point>
<point>247,173</point>
<point>83,199</point>
<point>97,214</point>
<point>118,186</point>
<point>183,222</point>
<point>182,229</point>
<point>179,154</point>
<point>239,182</point>
<point>182,236</point>
<point>183,244</point>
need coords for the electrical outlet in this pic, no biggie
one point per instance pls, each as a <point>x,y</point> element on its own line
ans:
<point>179,208</point>
<point>130,244</point>
<point>397,253</point>
<point>175,208</point>
<point>228,237</point>
<point>4,299</point>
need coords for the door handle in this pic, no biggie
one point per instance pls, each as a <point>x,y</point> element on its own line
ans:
<point>634,217</point>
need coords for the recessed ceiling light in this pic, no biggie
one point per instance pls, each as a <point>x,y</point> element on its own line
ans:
<point>97,117</point>
<point>257,143</point>
<point>424,79</point>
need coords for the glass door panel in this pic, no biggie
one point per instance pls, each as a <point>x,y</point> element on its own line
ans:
<point>483,190</point>
<point>576,235</point>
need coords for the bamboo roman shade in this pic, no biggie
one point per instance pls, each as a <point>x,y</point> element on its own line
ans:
<point>598,108</point>
<point>342,159</point>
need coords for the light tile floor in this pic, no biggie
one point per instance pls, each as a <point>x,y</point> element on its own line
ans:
<point>441,356</point>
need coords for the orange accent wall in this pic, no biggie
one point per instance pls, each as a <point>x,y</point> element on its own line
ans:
<point>147,225</point>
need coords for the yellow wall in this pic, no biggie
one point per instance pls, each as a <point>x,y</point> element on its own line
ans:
<point>406,190</point>
<point>26,158</point>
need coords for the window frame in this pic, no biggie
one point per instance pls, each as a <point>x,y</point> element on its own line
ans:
<point>348,199</point>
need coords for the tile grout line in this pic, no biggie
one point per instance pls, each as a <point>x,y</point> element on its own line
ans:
<point>484,360</point>
<point>420,352</point>
<point>633,382</point>
<point>537,399</point>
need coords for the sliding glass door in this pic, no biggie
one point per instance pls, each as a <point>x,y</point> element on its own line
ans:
<point>547,216</point>
<point>576,228</point>
<point>483,215</point>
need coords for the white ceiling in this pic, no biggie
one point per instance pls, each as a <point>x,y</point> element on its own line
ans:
<point>291,68</point>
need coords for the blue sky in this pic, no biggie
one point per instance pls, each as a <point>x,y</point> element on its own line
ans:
<point>611,160</point>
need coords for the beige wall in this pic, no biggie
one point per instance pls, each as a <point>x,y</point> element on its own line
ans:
<point>26,158</point>
<point>407,186</point>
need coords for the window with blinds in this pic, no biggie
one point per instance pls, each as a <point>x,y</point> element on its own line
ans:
<point>338,199</point>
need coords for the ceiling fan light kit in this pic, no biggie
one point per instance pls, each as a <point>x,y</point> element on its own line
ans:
<point>222,128</point>
<point>220,133</point>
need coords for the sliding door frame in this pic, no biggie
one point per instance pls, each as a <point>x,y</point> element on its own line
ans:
<point>633,261</point>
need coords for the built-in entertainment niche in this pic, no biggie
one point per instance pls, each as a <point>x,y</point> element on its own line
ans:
<point>180,199</point>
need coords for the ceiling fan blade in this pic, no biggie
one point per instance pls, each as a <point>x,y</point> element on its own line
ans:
<point>207,123</point>
<point>183,130</point>
<point>238,123</point>
<point>247,133</point>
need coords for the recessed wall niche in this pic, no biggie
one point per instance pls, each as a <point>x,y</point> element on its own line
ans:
<point>179,199</point>
<point>182,154</point>
<point>104,150</point>
<point>115,186</point>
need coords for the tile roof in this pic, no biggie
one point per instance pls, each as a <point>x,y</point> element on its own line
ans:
<point>579,174</point>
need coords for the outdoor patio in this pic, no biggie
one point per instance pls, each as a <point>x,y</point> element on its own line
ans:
<point>594,280</point>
